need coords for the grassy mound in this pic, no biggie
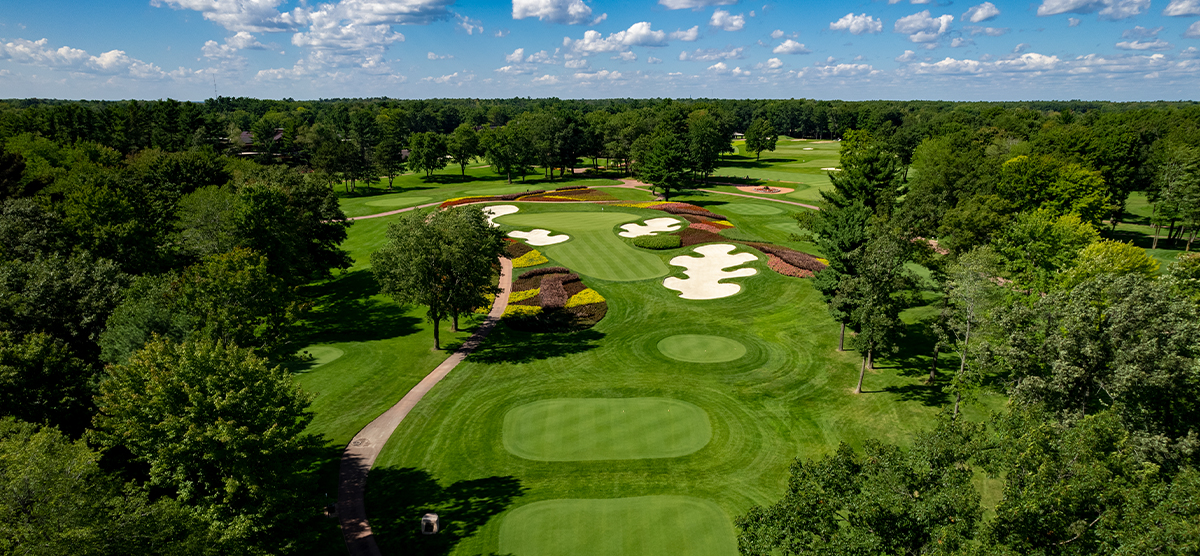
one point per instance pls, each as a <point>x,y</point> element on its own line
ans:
<point>699,348</point>
<point>640,525</point>
<point>589,429</point>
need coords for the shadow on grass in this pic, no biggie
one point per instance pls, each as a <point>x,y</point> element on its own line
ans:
<point>346,311</point>
<point>506,345</point>
<point>397,498</point>
<point>914,360</point>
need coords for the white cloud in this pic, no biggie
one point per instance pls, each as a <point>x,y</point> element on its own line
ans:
<point>1021,47</point>
<point>1193,31</point>
<point>693,4</point>
<point>516,56</point>
<point>791,47</point>
<point>976,30</point>
<point>598,75</point>
<point>1073,21</point>
<point>837,71</point>
<point>777,34</point>
<point>1108,9</point>
<point>245,41</point>
<point>1139,32</point>
<point>516,69</point>
<point>546,79</point>
<point>721,19</point>
<point>638,34</point>
<point>689,35</point>
<point>712,54</point>
<point>1182,8</point>
<point>256,16</point>
<point>958,42</point>
<point>920,27</point>
<point>626,56</point>
<point>1156,44</point>
<point>771,64</point>
<point>433,56</point>
<point>653,60</point>
<point>112,63</point>
<point>571,12</point>
<point>907,57</point>
<point>542,57</point>
<point>857,24</point>
<point>454,78</point>
<point>471,26</point>
<point>580,63</point>
<point>981,13</point>
<point>722,67</point>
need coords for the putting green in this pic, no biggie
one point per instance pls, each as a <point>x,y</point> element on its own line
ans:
<point>594,249</point>
<point>751,210</point>
<point>323,354</point>
<point>698,348</point>
<point>640,525</point>
<point>399,201</point>
<point>578,429</point>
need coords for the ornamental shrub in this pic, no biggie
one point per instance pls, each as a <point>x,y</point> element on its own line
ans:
<point>544,270</point>
<point>657,242</point>
<point>554,295</point>
<point>522,311</point>
<point>532,258</point>
<point>571,187</point>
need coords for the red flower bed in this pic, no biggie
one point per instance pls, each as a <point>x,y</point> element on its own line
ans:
<point>691,236</point>
<point>705,226</point>
<point>802,261</point>
<point>571,187</point>
<point>778,265</point>
<point>541,271</point>
<point>515,249</point>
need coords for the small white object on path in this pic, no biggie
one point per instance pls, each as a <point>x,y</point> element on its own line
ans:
<point>539,237</point>
<point>360,455</point>
<point>704,273</point>
<point>496,211</point>
<point>650,228</point>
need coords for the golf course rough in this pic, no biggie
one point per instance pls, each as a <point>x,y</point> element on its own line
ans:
<point>594,249</point>
<point>700,348</point>
<point>704,273</point>
<point>590,429</point>
<point>636,525</point>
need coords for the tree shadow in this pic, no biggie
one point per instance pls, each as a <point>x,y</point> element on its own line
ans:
<point>506,345</point>
<point>346,310</point>
<point>913,360</point>
<point>396,498</point>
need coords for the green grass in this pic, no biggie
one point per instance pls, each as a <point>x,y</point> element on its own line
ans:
<point>701,348</point>
<point>642,525</point>
<point>753,209</point>
<point>398,201</point>
<point>594,249</point>
<point>790,395</point>
<point>579,429</point>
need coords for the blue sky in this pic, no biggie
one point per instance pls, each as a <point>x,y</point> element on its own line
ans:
<point>901,49</point>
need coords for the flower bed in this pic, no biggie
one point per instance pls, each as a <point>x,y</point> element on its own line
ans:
<point>515,249</point>
<point>657,242</point>
<point>553,299</point>
<point>691,236</point>
<point>778,265</point>
<point>802,261</point>
<point>705,226</point>
<point>532,258</point>
<point>577,193</point>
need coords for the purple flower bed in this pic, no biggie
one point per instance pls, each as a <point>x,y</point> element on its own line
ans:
<point>545,270</point>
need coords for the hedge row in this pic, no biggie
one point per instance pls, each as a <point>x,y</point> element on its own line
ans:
<point>545,270</point>
<point>658,242</point>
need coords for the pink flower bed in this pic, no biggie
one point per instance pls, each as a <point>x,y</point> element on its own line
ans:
<point>778,265</point>
<point>704,226</point>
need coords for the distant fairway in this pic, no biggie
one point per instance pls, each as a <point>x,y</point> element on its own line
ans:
<point>751,209</point>
<point>398,202</point>
<point>594,249</point>
<point>699,348</point>
<point>650,525</point>
<point>580,429</point>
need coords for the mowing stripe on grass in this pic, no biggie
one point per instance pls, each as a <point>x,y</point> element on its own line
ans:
<point>398,201</point>
<point>595,250</point>
<point>580,429</point>
<point>751,210</point>
<point>650,525</point>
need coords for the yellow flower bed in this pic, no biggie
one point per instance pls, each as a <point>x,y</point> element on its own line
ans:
<point>822,261</point>
<point>724,223</point>
<point>532,258</point>
<point>523,295</point>
<point>585,297</point>
<point>522,310</point>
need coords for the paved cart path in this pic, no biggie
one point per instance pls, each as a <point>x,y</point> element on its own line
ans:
<point>360,455</point>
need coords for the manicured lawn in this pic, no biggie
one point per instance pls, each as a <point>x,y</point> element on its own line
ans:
<point>789,395</point>
<point>642,525</point>
<point>580,429</point>
<point>701,348</point>
<point>594,249</point>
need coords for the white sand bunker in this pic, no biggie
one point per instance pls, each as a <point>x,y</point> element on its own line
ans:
<point>651,227</point>
<point>539,237</point>
<point>497,211</point>
<point>705,273</point>
<point>832,169</point>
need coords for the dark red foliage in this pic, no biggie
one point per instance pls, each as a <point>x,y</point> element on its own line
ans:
<point>692,236</point>
<point>802,261</point>
<point>778,265</point>
<point>515,249</point>
<point>553,294</point>
<point>544,270</point>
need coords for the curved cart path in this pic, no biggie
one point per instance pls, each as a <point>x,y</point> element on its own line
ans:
<point>360,455</point>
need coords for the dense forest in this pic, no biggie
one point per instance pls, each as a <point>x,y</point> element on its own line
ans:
<point>153,257</point>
